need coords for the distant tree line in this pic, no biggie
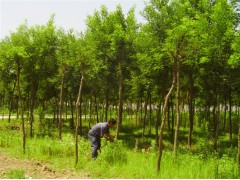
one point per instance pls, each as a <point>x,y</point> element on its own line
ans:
<point>186,55</point>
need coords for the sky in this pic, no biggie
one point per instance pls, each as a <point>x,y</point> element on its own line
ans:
<point>68,13</point>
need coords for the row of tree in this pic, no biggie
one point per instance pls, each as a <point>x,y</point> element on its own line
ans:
<point>188,45</point>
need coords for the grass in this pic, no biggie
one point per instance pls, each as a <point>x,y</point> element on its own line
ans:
<point>120,159</point>
<point>15,174</point>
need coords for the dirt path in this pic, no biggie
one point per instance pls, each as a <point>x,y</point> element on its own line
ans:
<point>33,169</point>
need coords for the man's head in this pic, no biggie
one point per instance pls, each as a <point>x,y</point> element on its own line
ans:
<point>111,123</point>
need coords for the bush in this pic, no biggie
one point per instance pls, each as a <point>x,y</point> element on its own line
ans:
<point>114,152</point>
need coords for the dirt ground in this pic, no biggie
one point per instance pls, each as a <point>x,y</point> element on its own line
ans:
<point>33,169</point>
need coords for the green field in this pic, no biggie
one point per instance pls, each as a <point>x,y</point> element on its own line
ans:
<point>125,158</point>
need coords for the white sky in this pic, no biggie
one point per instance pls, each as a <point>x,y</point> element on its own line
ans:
<point>68,13</point>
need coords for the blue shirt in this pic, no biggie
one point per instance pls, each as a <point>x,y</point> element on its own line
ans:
<point>100,129</point>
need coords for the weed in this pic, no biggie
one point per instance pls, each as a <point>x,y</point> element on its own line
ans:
<point>15,174</point>
<point>114,152</point>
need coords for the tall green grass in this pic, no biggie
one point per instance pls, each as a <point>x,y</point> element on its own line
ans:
<point>15,174</point>
<point>119,160</point>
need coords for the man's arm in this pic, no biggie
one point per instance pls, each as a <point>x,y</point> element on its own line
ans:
<point>109,137</point>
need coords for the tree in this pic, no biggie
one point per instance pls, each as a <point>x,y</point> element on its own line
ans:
<point>66,56</point>
<point>113,35</point>
<point>234,62</point>
<point>83,57</point>
<point>217,43</point>
<point>15,54</point>
<point>41,50</point>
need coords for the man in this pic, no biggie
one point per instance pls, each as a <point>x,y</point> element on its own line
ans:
<point>97,132</point>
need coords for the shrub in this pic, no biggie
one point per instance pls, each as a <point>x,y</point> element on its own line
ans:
<point>114,152</point>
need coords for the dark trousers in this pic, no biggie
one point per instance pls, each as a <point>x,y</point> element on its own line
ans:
<point>95,143</point>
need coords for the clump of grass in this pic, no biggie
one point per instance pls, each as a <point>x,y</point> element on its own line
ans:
<point>114,153</point>
<point>15,174</point>
<point>9,138</point>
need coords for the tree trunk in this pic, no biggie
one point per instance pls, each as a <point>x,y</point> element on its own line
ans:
<point>61,107</point>
<point>66,107</point>
<point>32,104</point>
<point>90,113</point>
<point>21,106</point>
<point>168,116</point>
<point>191,111</point>
<point>120,103</point>
<point>173,118</point>
<point>150,114</point>
<point>11,103</point>
<point>158,121</point>
<point>165,117</point>
<point>3,104</point>
<point>78,111</point>
<point>106,108</point>
<point>141,110</point>
<point>239,150</point>
<point>178,111</point>
<point>225,115</point>
<point>136,113</point>
<point>215,123</point>
<point>230,118</point>
<point>96,107</point>
<point>145,115</point>
<point>72,113</point>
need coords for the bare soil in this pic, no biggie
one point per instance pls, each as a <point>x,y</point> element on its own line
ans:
<point>34,169</point>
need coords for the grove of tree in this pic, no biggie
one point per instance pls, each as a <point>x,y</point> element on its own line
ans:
<point>179,69</point>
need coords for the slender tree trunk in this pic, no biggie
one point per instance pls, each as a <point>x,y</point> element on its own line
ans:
<point>191,111</point>
<point>66,107</point>
<point>90,113</point>
<point>96,107</point>
<point>136,113</point>
<point>55,111</point>
<point>11,102</point>
<point>72,112</point>
<point>168,117</point>
<point>173,119</point>
<point>145,115</point>
<point>78,111</point>
<point>158,121</point>
<point>102,112</point>
<point>3,103</point>
<point>106,108</point>
<point>225,115</point>
<point>150,114</point>
<point>32,104</point>
<point>21,107</point>
<point>239,150</point>
<point>86,109</point>
<point>230,118</point>
<point>120,103</point>
<point>61,107</point>
<point>141,110</point>
<point>215,123</point>
<point>178,111</point>
<point>164,118</point>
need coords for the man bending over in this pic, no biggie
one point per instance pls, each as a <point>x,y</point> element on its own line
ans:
<point>97,132</point>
